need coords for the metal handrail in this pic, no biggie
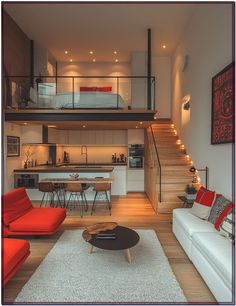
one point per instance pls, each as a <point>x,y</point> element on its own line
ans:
<point>158,158</point>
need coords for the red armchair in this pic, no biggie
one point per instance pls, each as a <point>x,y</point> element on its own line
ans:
<point>21,218</point>
<point>14,253</point>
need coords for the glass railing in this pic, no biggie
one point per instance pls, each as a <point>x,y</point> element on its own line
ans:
<point>73,92</point>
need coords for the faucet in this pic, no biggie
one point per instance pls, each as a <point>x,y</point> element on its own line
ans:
<point>84,151</point>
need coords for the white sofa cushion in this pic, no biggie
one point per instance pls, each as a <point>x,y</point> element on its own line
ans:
<point>190,223</point>
<point>218,251</point>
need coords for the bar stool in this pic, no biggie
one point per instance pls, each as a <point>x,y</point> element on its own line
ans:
<point>76,190</point>
<point>101,190</point>
<point>48,193</point>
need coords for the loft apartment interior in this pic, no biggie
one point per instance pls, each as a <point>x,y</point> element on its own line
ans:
<point>117,160</point>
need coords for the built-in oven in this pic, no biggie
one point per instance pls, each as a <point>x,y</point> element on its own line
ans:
<point>135,156</point>
<point>29,181</point>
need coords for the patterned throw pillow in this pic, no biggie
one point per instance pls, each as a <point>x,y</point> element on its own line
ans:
<point>226,227</point>
<point>203,202</point>
<point>218,206</point>
<point>221,217</point>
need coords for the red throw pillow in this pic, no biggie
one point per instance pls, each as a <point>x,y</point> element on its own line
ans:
<point>104,89</point>
<point>223,215</point>
<point>202,203</point>
<point>84,88</point>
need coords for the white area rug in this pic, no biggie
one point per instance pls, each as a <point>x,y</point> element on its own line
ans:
<point>70,274</point>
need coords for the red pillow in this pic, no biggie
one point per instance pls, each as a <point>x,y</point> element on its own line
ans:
<point>223,215</point>
<point>202,203</point>
<point>105,89</point>
<point>83,88</point>
<point>205,197</point>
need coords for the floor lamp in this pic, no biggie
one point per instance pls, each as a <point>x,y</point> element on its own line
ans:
<point>194,170</point>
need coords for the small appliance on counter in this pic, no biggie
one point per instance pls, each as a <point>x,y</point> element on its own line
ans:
<point>66,157</point>
<point>120,159</point>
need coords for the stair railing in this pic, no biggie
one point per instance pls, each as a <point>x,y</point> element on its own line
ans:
<point>159,163</point>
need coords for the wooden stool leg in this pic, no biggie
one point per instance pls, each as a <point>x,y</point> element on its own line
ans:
<point>128,255</point>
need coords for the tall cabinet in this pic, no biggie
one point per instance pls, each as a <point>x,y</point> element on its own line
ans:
<point>135,177</point>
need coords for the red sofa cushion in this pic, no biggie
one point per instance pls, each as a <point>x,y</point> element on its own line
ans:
<point>39,220</point>
<point>15,204</point>
<point>14,252</point>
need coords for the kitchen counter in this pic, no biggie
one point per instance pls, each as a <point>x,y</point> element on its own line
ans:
<point>66,168</point>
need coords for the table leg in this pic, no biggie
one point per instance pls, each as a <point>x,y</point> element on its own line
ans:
<point>128,255</point>
<point>91,249</point>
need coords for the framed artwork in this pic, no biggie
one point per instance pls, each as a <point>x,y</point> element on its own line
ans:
<point>13,146</point>
<point>222,113</point>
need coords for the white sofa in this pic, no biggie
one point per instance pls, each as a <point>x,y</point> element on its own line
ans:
<point>210,252</point>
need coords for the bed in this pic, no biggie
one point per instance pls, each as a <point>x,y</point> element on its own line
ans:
<point>83,99</point>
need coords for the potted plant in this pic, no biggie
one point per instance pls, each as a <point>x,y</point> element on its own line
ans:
<point>190,192</point>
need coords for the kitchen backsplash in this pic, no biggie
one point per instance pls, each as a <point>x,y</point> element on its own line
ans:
<point>94,154</point>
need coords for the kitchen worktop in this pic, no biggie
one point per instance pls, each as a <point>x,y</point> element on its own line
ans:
<point>73,167</point>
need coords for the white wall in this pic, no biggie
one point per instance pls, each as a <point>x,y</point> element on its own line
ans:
<point>161,69</point>
<point>98,69</point>
<point>208,43</point>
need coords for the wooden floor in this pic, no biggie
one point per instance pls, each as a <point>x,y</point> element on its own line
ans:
<point>133,210</point>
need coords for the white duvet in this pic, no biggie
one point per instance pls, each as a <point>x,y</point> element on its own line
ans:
<point>81,100</point>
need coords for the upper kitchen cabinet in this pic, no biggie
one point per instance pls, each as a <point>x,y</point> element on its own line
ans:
<point>74,137</point>
<point>119,137</point>
<point>32,134</point>
<point>89,137</point>
<point>58,136</point>
<point>136,136</point>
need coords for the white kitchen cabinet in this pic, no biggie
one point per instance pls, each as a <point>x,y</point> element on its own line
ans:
<point>135,180</point>
<point>74,137</point>
<point>136,136</point>
<point>119,137</point>
<point>87,138</point>
<point>107,137</point>
<point>119,175</point>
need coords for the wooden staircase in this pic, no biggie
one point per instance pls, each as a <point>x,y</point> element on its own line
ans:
<point>175,166</point>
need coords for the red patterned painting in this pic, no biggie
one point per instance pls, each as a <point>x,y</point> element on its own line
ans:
<point>222,128</point>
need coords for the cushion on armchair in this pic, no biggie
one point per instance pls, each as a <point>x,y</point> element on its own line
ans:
<point>15,204</point>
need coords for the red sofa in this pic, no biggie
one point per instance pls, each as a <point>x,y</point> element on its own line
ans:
<point>21,218</point>
<point>14,253</point>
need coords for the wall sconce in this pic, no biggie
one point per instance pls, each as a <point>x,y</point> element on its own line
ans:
<point>194,170</point>
<point>186,106</point>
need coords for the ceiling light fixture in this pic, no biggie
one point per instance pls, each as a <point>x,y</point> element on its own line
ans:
<point>116,60</point>
<point>91,52</point>
<point>52,126</point>
<point>163,46</point>
<point>94,60</point>
<point>66,52</point>
<point>115,52</point>
<point>141,122</point>
<point>71,60</point>
<point>84,126</point>
<point>25,123</point>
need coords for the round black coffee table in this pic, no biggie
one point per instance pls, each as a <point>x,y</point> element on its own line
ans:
<point>125,239</point>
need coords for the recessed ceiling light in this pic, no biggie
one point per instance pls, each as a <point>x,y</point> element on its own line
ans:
<point>116,60</point>
<point>90,52</point>
<point>136,127</point>
<point>71,60</point>
<point>163,46</point>
<point>52,126</point>
<point>115,52</point>
<point>94,60</point>
<point>25,123</point>
<point>84,126</point>
<point>141,122</point>
<point>66,52</point>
